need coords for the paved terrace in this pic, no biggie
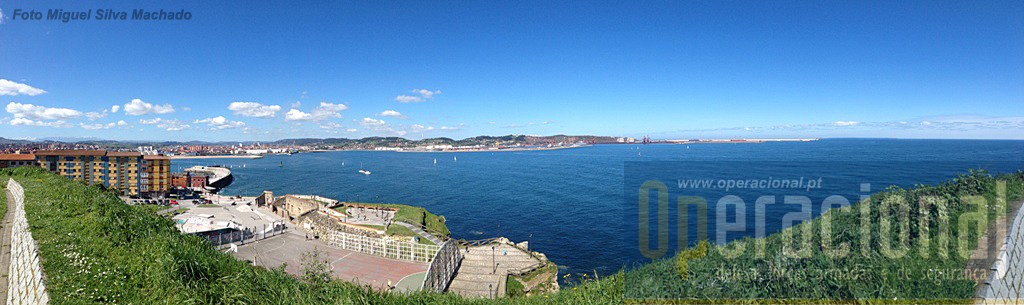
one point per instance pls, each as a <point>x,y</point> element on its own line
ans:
<point>355,267</point>
<point>484,270</point>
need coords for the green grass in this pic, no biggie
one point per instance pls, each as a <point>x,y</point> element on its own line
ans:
<point>207,205</point>
<point>152,208</point>
<point>513,288</point>
<point>400,231</point>
<point>96,249</point>
<point>403,231</point>
<point>3,202</point>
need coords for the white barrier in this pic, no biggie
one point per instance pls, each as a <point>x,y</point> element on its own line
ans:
<point>382,246</point>
<point>26,282</point>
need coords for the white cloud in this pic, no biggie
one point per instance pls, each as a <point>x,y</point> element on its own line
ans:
<point>426,93</point>
<point>28,122</point>
<point>29,111</point>
<point>115,108</point>
<point>151,121</point>
<point>449,128</point>
<point>172,125</point>
<point>394,114</point>
<point>254,110</point>
<point>220,122</point>
<point>138,107</point>
<point>372,123</point>
<point>103,126</point>
<point>92,116</point>
<point>323,112</point>
<point>11,88</point>
<point>845,123</point>
<point>492,123</point>
<point>331,107</point>
<point>405,99</point>
<point>186,108</point>
<point>352,130</point>
<point>421,128</point>
<point>297,115</point>
<point>296,104</point>
<point>169,125</point>
<point>331,125</point>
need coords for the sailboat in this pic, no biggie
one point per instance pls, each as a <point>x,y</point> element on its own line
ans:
<point>363,171</point>
<point>435,161</point>
<point>456,158</point>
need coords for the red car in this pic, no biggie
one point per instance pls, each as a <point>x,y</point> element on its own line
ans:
<point>174,202</point>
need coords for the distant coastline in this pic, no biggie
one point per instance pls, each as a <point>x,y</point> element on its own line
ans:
<point>218,157</point>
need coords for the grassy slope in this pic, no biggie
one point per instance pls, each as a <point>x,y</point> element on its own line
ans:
<point>854,275</point>
<point>96,249</point>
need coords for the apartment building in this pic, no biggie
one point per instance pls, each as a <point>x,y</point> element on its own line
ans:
<point>133,173</point>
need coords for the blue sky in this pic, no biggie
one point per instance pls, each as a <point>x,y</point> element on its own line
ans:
<point>668,69</point>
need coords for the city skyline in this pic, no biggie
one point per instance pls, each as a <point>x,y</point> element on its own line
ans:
<point>670,70</point>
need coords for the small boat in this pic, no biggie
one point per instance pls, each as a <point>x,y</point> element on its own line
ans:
<point>364,172</point>
<point>456,159</point>
<point>435,161</point>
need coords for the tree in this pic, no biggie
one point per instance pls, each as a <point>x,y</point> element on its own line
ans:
<point>316,271</point>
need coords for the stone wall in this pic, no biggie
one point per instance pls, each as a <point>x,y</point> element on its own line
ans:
<point>323,224</point>
<point>291,207</point>
<point>1004,285</point>
<point>26,282</point>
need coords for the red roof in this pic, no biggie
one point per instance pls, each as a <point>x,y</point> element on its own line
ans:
<point>17,157</point>
<point>123,154</point>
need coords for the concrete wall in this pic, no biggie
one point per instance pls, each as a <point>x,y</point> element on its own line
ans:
<point>26,282</point>
<point>1007,277</point>
<point>442,268</point>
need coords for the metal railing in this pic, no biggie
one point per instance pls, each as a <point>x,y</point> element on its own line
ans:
<point>242,236</point>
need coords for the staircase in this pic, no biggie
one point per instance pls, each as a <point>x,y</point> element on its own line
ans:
<point>484,271</point>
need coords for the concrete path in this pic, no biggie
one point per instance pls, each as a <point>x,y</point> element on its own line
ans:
<point>419,231</point>
<point>484,270</point>
<point>5,250</point>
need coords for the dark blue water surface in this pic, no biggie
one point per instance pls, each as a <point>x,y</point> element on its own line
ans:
<point>580,205</point>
